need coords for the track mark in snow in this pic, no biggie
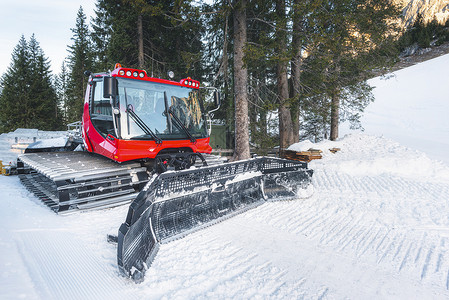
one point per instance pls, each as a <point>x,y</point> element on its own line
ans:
<point>426,263</point>
<point>323,294</point>
<point>382,241</point>
<point>387,250</point>
<point>447,280</point>
<point>439,262</point>
<point>334,236</point>
<point>420,248</point>
<point>362,240</point>
<point>370,217</point>
<point>370,243</point>
<point>63,268</point>
<point>405,258</point>
<point>311,221</point>
<point>352,239</point>
<point>361,219</point>
<point>399,248</point>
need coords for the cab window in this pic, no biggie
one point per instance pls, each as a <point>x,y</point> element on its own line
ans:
<point>100,105</point>
<point>101,110</point>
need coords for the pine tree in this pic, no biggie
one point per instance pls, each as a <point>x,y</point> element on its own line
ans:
<point>298,16</point>
<point>114,34</point>
<point>286,135</point>
<point>79,61</point>
<point>101,35</point>
<point>15,98</point>
<point>348,38</point>
<point>158,36</point>
<point>261,56</point>
<point>332,46</point>
<point>28,99</point>
<point>61,90</point>
<point>45,110</point>
<point>218,60</point>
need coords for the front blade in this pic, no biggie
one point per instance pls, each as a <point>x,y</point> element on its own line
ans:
<point>174,204</point>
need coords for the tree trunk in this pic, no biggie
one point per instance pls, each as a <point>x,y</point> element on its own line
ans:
<point>285,119</point>
<point>240,83</point>
<point>296,65</point>
<point>335,112</point>
<point>253,110</point>
<point>228,104</point>
<point>141,59</point>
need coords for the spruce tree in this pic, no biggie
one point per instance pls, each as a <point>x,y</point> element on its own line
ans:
<point>79,61</point>
<point>44,105</point>
<point>299,8</point>
<point>100,35</point>
<point>263,62</point>
<point>28,99</point>
<point>15,98</point>
<point>61,84</point>
<point>218,61</point>
<point>159,36</point>
<point>348,39</point>
<point>286,135</point>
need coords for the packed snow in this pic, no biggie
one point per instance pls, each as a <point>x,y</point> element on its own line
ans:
<point>376,227</point>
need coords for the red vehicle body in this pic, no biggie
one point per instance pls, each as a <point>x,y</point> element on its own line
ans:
<point>108,124</point>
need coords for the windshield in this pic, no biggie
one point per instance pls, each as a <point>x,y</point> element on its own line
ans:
<point>147,102</point>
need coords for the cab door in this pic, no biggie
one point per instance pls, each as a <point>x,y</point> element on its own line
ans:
<point>100,130</point>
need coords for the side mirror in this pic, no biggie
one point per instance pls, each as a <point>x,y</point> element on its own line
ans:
<point>109,87</point>
<point>217,98</point>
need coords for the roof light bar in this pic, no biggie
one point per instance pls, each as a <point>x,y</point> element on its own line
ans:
<point>190,83</point>
<point>135,73</point>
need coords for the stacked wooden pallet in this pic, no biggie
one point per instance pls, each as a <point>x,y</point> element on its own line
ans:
<point>334,150</point>
<point>306,156</point>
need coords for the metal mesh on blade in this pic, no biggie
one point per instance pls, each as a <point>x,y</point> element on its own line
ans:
<point>189,212</point>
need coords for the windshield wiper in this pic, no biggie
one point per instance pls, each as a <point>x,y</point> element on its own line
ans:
<point>142,124</point>
<point>169,112</point>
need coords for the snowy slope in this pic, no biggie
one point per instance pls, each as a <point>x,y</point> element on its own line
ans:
<point>377,227</point>
<point>412,107</point>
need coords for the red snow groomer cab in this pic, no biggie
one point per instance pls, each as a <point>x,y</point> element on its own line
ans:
<point>129,116</point>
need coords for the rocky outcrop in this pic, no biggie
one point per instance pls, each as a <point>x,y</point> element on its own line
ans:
<point>429,9</point>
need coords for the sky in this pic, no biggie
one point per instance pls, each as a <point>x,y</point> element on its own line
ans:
<point>49,20</point>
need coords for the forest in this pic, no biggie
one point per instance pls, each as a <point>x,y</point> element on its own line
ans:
<point>288,70</point>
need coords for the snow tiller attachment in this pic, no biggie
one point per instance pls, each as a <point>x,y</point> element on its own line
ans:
<point>176,203</point>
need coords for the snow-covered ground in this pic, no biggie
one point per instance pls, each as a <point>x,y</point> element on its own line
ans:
<point>377,227</point>
<point>13,143</point>
<point>412,107</point>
